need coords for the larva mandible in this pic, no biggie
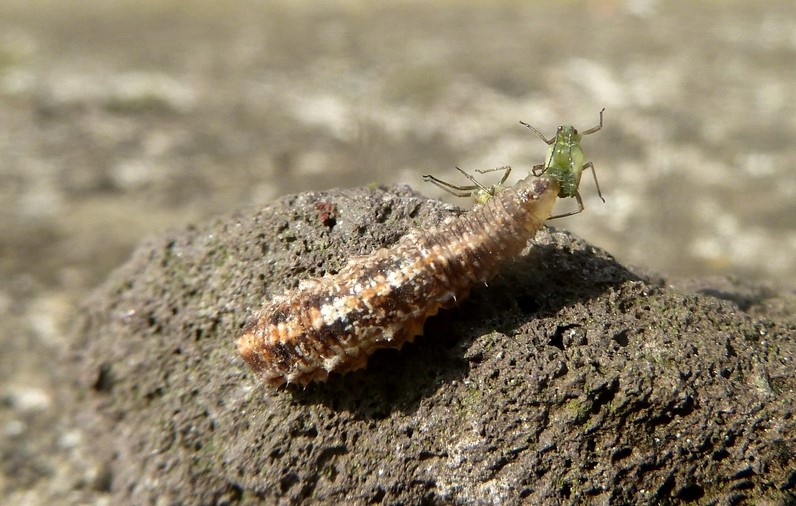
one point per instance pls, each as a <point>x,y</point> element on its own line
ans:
<point>333,324</point>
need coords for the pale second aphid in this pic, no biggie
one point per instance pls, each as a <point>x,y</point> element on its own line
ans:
<point>564,162</point>
<point>477,191</point>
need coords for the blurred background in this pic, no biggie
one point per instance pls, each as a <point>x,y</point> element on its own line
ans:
<point>121,119</point>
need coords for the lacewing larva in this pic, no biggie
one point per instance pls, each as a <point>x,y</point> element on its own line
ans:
<point>382,300</point>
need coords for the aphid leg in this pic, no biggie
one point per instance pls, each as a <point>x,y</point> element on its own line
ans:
<point>594,129</point>
<point>578,211</point>
<point>475,181</point>
<point>590,165</point>
<point>505,174</point>
<point>537,132</point>
<point>539,169</point>
<point>459,191</point>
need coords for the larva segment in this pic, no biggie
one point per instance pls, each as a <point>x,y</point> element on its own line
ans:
<point>382,300</point>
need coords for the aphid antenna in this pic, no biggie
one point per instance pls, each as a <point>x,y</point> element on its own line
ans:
<point>552,139</point>
<point>595,129</point>
<point>545,139</point>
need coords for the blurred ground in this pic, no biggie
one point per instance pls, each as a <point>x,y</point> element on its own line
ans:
<point>121,119</point>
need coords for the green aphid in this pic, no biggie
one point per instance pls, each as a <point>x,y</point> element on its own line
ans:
<point>564,162</point>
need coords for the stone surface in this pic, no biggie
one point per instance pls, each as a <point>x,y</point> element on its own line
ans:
<point>569,379</point>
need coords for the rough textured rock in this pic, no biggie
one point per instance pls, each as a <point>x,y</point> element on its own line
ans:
<point>569,379</point>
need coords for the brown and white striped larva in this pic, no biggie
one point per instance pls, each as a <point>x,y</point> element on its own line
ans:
<point>333,324</point>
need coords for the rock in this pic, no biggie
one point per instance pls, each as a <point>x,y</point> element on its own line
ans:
<point>569,379</point>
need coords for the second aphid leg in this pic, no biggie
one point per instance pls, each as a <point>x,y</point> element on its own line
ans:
<point>477,191</point>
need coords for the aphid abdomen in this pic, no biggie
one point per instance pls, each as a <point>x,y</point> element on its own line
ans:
<point>567,180</point>
<point>382,300</point>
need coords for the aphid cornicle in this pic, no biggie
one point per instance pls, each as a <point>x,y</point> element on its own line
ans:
<point>333,324</point>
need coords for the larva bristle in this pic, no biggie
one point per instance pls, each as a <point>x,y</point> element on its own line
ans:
<point>382,300</point>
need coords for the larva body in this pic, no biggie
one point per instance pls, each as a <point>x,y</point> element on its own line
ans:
<point>382,300</point>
